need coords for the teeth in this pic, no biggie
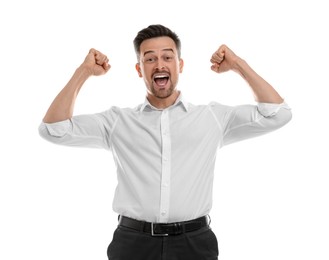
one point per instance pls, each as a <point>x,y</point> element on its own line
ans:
<point>160,76</point>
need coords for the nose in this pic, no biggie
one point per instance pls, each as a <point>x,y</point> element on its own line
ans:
<point>160,65</point>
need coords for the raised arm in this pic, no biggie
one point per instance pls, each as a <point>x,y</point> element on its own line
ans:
<point>224,59</point>
<point>95,63</point>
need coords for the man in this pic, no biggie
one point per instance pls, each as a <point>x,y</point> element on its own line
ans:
<point>165,149</point>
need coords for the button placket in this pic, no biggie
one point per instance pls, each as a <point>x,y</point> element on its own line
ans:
<point>166,167</point>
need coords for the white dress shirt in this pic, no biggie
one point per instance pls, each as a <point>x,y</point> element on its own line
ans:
<point>165,158</point>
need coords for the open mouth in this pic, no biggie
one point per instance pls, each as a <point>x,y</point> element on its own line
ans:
<point>161,79</point>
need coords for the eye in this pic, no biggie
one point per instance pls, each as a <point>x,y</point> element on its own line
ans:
<point>149,59</point>
<point>168,58</point>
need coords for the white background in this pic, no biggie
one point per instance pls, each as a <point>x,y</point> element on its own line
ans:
<point>271,194</point>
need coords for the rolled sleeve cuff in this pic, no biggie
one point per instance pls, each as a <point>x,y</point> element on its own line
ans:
<point>271,109</point>
<point>58,129</point>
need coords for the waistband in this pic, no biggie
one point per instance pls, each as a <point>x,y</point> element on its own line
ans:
<point>164,229</point>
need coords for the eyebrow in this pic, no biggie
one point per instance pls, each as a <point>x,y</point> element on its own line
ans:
<point>169,49</point>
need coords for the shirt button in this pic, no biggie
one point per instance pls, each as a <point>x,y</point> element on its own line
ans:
<point>163,213</point>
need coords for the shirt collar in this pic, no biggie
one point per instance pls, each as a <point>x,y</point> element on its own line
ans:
<point>179,101</point>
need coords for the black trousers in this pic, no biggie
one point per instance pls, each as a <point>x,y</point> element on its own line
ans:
<point>128,244</point>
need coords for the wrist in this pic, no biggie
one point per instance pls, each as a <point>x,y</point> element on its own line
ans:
<point>239,65</point>
<point>84,71</point>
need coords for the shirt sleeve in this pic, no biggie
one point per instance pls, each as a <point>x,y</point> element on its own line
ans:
<point>242,122</point>
<point>92,131</point>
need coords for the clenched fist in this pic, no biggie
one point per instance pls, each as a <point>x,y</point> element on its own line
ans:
<point>224,59</point>
<point>96,62</point>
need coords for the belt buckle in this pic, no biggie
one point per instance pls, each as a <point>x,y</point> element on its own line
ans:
<point>156,235</point>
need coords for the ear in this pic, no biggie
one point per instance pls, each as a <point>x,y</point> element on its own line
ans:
<point>138,68</point>
<point>181,65</point>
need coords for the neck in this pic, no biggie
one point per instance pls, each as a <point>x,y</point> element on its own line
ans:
<point>162,103</point>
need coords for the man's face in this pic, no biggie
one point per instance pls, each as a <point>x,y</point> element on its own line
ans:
<point>160,66</point>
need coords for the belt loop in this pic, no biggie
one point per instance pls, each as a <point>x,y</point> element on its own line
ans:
<point>209,219</point>
<point>183,229</point>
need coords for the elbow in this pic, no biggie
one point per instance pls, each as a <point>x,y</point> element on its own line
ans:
<point>43,131</point>
<point>54,132</point>
<point>45,134</point>
<point>282,117</point>
<point>277,120</point>
<point>285,115</point>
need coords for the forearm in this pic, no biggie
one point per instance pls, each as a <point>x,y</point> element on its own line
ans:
<point>63,105</point>
<point>262,90</point>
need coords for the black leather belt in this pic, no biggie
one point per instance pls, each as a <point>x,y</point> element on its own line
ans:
<point>163,229</point>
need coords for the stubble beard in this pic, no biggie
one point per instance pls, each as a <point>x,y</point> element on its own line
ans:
<point>162,94</point>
